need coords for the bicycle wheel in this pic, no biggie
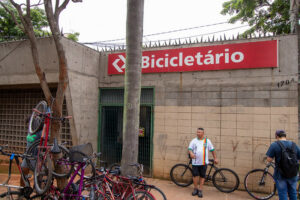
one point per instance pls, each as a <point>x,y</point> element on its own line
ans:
<point>140,195</point>
<point>114,166</point>
<point>260,184</point>
<point>89,171</point>
<point>181,175</point>
<point>157,193</point>
<point>42,173</point>
<point>36,122</point>
<point>33,151</point>
<point>225,180</point>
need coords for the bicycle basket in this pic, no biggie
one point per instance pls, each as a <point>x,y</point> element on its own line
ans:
<point>81,152</point>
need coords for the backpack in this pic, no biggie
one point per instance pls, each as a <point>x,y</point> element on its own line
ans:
<point>288,165</point>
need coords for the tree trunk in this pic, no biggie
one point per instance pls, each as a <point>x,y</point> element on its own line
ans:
<point>62,83</point>
<point>134,39</point>
<point>294,10</point>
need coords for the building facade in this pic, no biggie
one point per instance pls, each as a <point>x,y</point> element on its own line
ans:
<point>240,106</point>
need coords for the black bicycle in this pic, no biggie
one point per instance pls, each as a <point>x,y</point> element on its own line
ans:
<point>14,191</point>
<point>224,179</point>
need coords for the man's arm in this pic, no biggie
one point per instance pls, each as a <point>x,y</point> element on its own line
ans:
<point>215,157</point>
<point>193,156</point>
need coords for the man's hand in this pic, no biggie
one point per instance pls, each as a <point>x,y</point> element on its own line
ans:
<point>193,156</point>
<point>216,161</point>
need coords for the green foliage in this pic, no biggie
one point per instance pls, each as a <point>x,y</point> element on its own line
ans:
<point>263,16</point>
<point>73,36</point>
<point>9,30</point>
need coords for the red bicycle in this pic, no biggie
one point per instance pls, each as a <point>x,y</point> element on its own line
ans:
<point>42,152</point>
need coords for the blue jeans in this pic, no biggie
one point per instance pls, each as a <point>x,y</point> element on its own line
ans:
<point>287,187</point>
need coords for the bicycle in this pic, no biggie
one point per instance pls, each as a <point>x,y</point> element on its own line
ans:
<point>224,179</point>
<point>260,183</point>
<point>40,119</point>
<point>142,184</point>
<point>138,181</point>
<point>25,191</point>
<point>80,156</point>
<point>118,187</point>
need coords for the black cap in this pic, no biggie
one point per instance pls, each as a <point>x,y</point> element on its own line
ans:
<point>279,132</point>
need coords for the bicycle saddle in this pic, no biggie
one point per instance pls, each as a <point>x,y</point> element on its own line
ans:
<point>55,149</point>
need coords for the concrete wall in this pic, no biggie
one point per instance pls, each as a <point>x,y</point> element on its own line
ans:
<point>16,68</point>
<point>239,109</point>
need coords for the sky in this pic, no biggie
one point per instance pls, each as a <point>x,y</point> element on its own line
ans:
<point>102,20</point>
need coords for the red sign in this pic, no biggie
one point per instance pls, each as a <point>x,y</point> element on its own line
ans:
<point>220,57</point>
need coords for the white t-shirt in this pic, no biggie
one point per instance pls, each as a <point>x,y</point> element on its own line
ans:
<point>200,148</point>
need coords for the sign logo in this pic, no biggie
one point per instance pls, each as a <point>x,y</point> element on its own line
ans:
<point>220,57</point>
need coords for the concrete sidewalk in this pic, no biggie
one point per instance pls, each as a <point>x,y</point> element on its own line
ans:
<point>174,192</point>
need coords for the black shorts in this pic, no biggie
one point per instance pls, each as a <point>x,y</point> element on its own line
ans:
<point>199,170</point>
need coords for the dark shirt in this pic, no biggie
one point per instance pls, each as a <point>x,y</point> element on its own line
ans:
<point>275,151</point>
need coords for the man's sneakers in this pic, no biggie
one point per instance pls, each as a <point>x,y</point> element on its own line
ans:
<point>195,192</point>
<point>200,194</point>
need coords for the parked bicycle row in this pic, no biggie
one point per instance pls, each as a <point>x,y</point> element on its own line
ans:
<point>93,183</point>
<point>51,162</point>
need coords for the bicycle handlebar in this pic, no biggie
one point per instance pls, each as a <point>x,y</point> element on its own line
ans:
<point>50,117</point>
<point>13,154</point>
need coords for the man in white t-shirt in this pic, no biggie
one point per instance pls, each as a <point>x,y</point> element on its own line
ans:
<point>198,150</point>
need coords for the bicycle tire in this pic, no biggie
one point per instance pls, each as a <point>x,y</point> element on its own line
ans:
<point>89,171</point>
<point>179,171</point>
<point>259,190</point>
<point>226,180</point>
<point>42,184</point>
<point>140,195</point>
<point>36,122</point>
<point>32,151</point>
<point>12,194</point>
<point>113,166</point>
<point>156,193</point>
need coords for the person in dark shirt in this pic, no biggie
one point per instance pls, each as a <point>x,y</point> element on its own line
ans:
<point>286,187</point>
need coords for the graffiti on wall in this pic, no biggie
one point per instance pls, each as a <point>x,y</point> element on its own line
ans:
<point>285,82</point>
<point>253,146</point>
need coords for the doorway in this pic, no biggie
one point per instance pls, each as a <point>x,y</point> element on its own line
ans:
<point>111,125</point>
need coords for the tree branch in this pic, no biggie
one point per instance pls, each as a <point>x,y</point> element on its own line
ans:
<point>28,8</point>
<point>28,29</point>
<point>60,9</point>
<point>57,4</point>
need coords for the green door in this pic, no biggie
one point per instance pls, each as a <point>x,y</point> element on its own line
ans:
<point>111,124</point>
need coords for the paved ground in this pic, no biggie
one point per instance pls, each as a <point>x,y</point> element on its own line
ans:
<point>172,191</point>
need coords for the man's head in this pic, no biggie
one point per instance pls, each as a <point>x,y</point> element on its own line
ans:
<point>200,133</point>
<point>280,134</point>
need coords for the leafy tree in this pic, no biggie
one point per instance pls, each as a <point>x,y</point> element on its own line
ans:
<point>73,36</point>
<point>263,16</point>
<point>8,28</point>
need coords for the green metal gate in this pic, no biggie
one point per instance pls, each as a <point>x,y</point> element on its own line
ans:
<point>111,124</point>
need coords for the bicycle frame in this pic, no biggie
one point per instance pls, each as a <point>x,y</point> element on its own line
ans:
<point>81,167</point>
<point>27,190</point>
<point>266,170</point>
<point>44,138</point>
<point>211,165</point>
